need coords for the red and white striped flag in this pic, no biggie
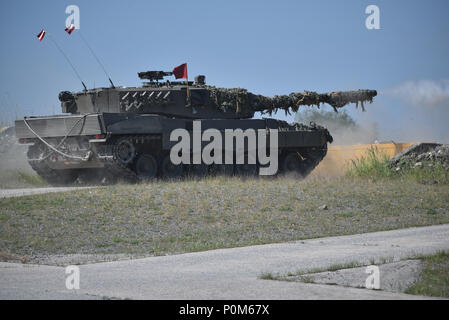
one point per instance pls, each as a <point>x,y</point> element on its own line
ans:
<point>41,35</point>
<point>70,29</point>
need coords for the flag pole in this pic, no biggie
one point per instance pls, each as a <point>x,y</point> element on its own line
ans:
<point>183,74</point>
<point>67,58</point>
<point>188,91</point>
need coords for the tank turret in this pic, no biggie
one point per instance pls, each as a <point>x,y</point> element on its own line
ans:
<point>196,100</point>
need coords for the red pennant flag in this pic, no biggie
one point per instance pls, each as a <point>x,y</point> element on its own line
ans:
<point>70,29</point>
<point>180,72</point>
<point>41,35</point>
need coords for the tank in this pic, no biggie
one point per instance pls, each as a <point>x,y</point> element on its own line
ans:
<point>124,133</point>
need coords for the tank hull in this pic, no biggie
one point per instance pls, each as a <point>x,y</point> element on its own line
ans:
<point>106,147</point>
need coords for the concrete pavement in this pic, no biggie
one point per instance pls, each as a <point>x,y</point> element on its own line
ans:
<point>227,273</point>
<point>8,193</point>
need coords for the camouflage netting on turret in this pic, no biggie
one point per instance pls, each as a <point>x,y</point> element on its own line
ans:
<point>234,100</point>
<point>241,101</point>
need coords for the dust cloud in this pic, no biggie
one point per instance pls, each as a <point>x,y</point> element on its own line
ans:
<point>341,126</point>
<point>13,157</point>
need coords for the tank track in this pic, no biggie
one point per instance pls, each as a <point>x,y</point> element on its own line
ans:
<point>53,177</point>
<point>114,170</point>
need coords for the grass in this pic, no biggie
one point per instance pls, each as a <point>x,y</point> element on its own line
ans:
<point>268,276</point>
<point>303,274</point>
<point>334,267</point>
<point>185,216</point>
<point>271,276</point>
<point>434,280</point>
<point>374,165</point>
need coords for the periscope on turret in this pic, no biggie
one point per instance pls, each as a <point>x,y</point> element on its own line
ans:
<point>107,134</point>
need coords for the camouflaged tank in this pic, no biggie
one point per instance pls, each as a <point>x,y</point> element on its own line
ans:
<point>123,133</point>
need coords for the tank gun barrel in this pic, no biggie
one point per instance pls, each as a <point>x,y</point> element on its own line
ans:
<point>336,99</point>
<point>245,101</point>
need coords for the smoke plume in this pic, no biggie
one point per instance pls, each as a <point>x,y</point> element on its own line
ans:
<point>428,93</point>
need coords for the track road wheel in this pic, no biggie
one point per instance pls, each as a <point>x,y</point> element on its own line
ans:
<point>124,151</point>
<point>170,170</point>
<point>146,167</point>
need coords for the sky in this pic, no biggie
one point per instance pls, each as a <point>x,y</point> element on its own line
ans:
<point>267,47</point>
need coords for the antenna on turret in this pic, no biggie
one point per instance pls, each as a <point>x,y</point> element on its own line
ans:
<point>96,58</point>
<point>68,60</point>
<point>41,36</point>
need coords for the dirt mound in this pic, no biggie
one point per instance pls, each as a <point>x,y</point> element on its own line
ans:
<point>420,155</point>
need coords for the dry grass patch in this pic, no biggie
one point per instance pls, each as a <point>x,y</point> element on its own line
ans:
<point>184,216</point>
